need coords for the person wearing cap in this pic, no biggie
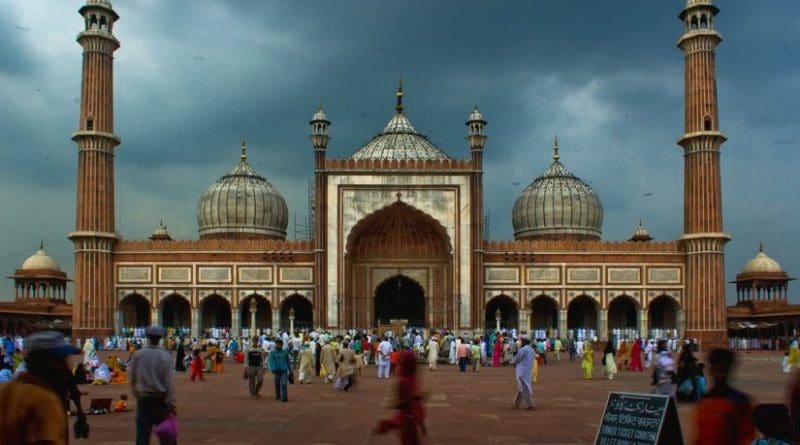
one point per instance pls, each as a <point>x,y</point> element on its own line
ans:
<point>151,382</point>
<point>523,366</point>
<point>33,405</point>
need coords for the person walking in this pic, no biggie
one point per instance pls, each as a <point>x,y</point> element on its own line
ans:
<point>463,355</point>
<point>384,358</point>
<point>347,367</point>
<point>558,347</point>
<point>587,363</point>
<point>475,354</point>
<point>433,353</point>
<point>573,350</point>
<point>33,404</point>
<point>724,416</point>
<point>523,368</point>
<point>328,353</point>
<point>254,368</point>
<point>610,365</point>
<point>150,376</point>
<point>280,364</point>
<point>664,372</point>
<point>305,370</point>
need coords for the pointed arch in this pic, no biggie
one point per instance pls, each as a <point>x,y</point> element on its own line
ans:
<point>303,313</point>
<point>263,312</point>
<point>544,312</point>
<point>176,312</point>
<point>509,313</point>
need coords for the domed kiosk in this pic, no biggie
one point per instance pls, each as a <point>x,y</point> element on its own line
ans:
<point>242,204</point>
<point>557,205</point>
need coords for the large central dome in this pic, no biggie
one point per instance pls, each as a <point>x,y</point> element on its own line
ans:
<point>242,204</point>
<point>557,205</point>
<point>399,139</point>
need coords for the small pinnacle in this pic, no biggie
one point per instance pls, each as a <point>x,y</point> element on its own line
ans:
<point>555,149</point>
<point>398,196</point>
<point>41,244</point>
<point>244,150</point>
<point>399,94</point>
<point>761,246</point>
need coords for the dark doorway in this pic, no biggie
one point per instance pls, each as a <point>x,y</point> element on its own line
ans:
<point>303,313</point>
<point>622,313</point>
<point>508,313</point>
<point>263,312</point>
<point>135,311</point>
<point>175,312</point>
<point>400,298</point>
<point>544,313</point>
<point>582,313</point>
<point>662,315</point>
<point>216,313</point>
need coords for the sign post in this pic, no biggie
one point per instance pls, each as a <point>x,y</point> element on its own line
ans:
<point>639,419</point>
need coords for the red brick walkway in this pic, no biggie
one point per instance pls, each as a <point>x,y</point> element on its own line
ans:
<point>462,409</point>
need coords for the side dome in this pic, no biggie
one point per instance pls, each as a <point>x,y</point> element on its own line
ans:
<point>399,139</point>
<point>761,263</point>
<point>40,261</point>
<point>242,204</point>
<point>557,205</point>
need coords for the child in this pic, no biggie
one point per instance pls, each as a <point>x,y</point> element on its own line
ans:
<point>196,366</point>
<point>785,366</point>
<point>701,380</point>
<point>773,421</point>
<point>121,405</point>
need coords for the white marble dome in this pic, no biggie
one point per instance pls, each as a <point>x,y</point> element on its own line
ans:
<point>557,205</point>
<point>761,263</point>
<point>40,261</point>
<point>242,204</point>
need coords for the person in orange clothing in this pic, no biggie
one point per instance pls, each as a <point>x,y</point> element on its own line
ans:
<point>196,366</point>
<point>724,416</point>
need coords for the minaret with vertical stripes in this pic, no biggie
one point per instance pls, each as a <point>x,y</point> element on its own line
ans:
<point>94,235</point>
<point>703,237</point>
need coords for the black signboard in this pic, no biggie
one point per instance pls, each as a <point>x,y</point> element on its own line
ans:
<point>639,419</point>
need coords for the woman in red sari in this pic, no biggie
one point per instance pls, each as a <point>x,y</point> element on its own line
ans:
<point>410,416</point>
<point>497,352</point>
<point>636,356</point>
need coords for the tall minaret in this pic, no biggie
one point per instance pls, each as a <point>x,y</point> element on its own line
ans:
<point>319,140</point>
<point>94,235</point>
<point>476,137</point>
<point>703,239</point>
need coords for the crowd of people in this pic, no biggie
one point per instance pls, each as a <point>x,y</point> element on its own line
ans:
<point>337,359</point>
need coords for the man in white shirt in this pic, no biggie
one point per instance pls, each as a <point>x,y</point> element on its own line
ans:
<point>384,358</point>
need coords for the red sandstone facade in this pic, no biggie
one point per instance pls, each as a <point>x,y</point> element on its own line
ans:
<point>335,280</point>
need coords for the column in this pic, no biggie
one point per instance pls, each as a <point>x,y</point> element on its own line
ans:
<point>235,324</point>
<point>276,320</point>
<point>562,323</point>
<point>680,322</point>
<point>602,324</point>
<point>195,330</point>
<point>643,323</point>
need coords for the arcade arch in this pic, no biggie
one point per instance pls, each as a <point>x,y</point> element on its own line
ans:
<point>303,313</point>
<point>215,313</point>
<point>176,313</point>
<point>582,317</point>
<point>623,319</point>
<point>263,313</point>
<point>544,314</point>
<point>662,315</point>
<point>509,314</point>
<point>134,312</point>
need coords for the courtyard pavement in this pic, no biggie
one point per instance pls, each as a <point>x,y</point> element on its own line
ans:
<point>462,408</point>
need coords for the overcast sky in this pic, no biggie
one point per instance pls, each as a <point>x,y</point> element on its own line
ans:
<point>193,78</point>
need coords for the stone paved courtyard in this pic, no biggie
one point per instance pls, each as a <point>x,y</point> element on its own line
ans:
<point>462,409</point>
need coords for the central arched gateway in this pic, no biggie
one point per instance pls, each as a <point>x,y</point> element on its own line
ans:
<point>398,262</point>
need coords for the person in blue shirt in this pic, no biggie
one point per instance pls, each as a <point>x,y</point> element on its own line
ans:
<point>280,365</point>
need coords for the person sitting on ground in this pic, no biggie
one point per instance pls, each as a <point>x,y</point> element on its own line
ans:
<point>121,405</point>
<point>724,415</point>
<point>102,375</point>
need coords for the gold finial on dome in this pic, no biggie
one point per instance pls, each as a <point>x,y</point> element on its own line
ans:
<point>555,149</point>
<point>41,243</point>
<point>761,246</point>
<point>399,94</point>
<point>243,156</point>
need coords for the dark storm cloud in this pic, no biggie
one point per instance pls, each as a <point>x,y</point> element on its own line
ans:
<point>606,76</point>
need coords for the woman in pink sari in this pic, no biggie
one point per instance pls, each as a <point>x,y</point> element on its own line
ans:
<point>636,356</point>
<point>497,352</point>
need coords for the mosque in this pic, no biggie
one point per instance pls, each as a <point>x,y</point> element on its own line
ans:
<point>398,233</point>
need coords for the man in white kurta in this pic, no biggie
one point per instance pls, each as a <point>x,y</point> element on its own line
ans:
<point>523,366</point>
<point>433,353</point>
<point>384,358</point>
